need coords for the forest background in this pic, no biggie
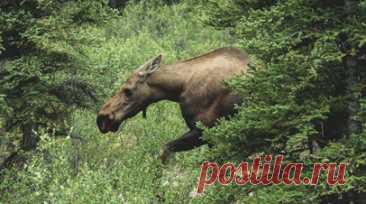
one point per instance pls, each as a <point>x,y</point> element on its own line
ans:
<point>61,59</point>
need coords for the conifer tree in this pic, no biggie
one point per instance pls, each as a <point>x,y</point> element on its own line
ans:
<point>304,94</point>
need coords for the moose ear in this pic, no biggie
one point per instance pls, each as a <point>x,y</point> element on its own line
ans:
<point>150,66</point>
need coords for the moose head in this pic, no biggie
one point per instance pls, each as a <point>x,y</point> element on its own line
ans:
<point>133,97</point>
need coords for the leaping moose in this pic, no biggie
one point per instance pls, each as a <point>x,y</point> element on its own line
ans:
<point>195,84</point>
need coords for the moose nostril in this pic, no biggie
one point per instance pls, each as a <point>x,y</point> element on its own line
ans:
<point>101,121</point>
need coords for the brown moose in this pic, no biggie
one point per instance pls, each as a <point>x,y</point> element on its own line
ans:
<point>196,84</point>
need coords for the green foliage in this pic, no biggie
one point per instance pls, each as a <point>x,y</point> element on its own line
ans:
<point>41,58</point>
<point>296,94</point>
<point>58,57</point>
<point>86,166</point>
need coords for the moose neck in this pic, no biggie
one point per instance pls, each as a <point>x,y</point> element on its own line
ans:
<point>167,83</point>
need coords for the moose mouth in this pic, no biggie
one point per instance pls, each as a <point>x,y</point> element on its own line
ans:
<point>107,125</point>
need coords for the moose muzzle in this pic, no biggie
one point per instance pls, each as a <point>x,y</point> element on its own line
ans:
<point>106,124</point>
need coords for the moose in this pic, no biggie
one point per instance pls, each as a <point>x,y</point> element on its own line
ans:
<point>195,84</point>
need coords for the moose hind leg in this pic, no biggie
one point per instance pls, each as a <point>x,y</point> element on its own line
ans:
<point>188,141</point>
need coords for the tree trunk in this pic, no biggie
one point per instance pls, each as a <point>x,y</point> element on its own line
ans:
<point>29,140</point>
<point>351,64</point>
<point>353,126</point>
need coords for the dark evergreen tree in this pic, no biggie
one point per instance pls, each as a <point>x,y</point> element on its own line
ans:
<point>304,95</point>
<point>40,65</point>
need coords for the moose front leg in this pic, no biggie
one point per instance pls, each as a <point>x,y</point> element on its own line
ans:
<point>188,141</point>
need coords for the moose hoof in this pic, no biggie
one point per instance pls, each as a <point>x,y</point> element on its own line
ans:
<point>165,155</point>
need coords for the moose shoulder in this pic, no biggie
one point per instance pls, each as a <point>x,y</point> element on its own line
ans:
<point>196,84</point>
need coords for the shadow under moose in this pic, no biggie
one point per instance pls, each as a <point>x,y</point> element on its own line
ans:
<point>195,84</point>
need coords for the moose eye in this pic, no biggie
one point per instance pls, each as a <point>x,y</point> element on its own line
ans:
<point>128,92</point>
